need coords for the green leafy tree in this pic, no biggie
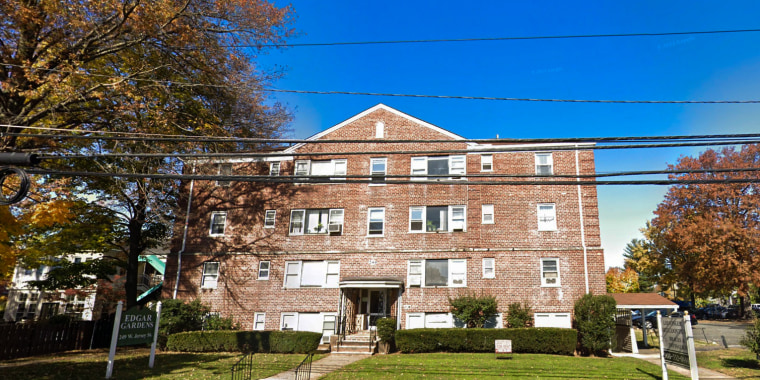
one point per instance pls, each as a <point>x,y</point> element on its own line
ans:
<point>751,338</point>
<point>595,322</point>
<point>519,315</point>
<point>638,259</point>
<point>134,68</point>
<point>473,310</point>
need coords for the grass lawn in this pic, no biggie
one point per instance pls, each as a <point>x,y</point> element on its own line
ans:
<point>736,362</point>
<point>133,364</point>
<point>481,366</point>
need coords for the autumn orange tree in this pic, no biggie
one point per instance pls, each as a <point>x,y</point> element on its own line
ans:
<point>706,236</point>
<point>183,68</point>
<point>622,280</point>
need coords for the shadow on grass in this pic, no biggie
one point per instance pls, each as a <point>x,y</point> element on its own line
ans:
<point>740,363</point>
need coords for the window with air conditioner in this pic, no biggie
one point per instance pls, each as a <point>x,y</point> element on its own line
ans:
<point>437,218</point>
<point>316,221</point>
<point>439,167</point>
<point>437,273</point>
<point>322,168</point>
<point>550,272</point>
<point>312,274</point>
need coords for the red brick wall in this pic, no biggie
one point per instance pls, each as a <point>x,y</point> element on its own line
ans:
<point>513,239</point>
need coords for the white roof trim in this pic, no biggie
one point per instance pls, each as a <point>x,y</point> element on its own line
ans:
<point>380,106</point>
<point>389,284</point>
<point>649,307</point>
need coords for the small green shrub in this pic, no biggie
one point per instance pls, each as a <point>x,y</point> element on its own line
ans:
<point>751,338</point>
<point>215,322</point>
<point>595,322</point>
<point>554,341</point>
<point>519,315</point>
<point>286,342</point>
<point>386,329</point>
<point>178,316</point>
<point>473,310</point>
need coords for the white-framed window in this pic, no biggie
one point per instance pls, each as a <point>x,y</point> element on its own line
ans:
<point>259,320</point>
<point>274,168</point>
<point>437,272</point>
<point>312,274</point>
<point>379,130</point>
<point>442,167</point>
<point>550,272</point>
<point>269,218</point>
<point>486,162</point>
<point>224,170</point>
<point>437,218</point>
<point>263,270</point>
<point>316,221</point>
<point>376,221</point>
<point>378,168</point>
<point>561,320</point>
<point>487,214</point>
<point>547,217</point>
<point>218,223</point>
<point>335,167</point>
<point>489,267</point>
<point>210,275</point>
<point>323,322</point>
<point>544,164</point>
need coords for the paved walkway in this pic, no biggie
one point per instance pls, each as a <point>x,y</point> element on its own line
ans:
<point>653,356</point>
<point>322,366</point>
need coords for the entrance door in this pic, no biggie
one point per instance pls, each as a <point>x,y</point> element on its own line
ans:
<point>376,306</point>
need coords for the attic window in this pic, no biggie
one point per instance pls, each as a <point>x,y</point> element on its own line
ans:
<point>379,130</point>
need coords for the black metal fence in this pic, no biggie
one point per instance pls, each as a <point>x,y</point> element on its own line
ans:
<point>303,371</point>
<point>243,368</point>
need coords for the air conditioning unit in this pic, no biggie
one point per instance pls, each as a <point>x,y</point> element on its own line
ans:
<point>334,228</point>
<point>415,280</point>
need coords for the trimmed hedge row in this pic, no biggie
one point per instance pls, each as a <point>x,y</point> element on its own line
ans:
<point>286,342</point>
<point>527,340</point>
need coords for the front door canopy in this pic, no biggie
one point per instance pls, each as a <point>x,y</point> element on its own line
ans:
<point>371,283</point>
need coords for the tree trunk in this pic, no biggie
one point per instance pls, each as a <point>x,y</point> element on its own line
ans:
<point>135,244</point>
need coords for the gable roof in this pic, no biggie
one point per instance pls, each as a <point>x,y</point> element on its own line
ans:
<point>366,112</point>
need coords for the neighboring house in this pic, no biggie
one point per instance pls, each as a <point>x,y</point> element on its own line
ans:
<point>307,256</point>
<point>27,303</point>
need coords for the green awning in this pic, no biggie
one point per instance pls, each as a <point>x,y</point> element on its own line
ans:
<point>155,262</point>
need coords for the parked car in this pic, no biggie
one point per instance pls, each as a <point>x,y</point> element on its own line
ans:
<point>651,318</point>
<point>692,317</point>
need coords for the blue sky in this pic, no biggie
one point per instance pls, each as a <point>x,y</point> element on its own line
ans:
<point>681,67</point>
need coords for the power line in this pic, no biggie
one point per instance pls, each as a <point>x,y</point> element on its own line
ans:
<point>325,180</point>
<point>253,140</point>
<point>359,93</point>
<point>482,39</point>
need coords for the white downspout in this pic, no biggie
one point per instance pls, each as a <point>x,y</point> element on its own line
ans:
<point>184,236</point>
<point>583,226</point>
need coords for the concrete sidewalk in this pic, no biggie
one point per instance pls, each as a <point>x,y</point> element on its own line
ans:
<point>653,356</point>
<point>322,366</point>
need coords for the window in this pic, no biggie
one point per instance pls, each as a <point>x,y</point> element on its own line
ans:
<point>486,162</point>
<point>379,130</point>
<point>547,217</point>
<point>376,221</point>
<point>210,275</point>
<point>560,320</point>
<point>489,267</point>
<point>544,164</point>
<point>321,168</point>
<point>437,218</point>
<point>269,218</point>
<point>487,214</point>
<point>258,321</point>
<point>550,272</point>
<point>378,169</point>
<point>218,221</point>
<point>274,169</point>
<point>224,170</point>
<point>439,167</point>
<point>311,274</point>
<point>263,270</point>
<point>437,272</point>
<point>323,323</point>
<point>316,221</point>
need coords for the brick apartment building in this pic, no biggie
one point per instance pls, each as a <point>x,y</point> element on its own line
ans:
<point>305,256</point>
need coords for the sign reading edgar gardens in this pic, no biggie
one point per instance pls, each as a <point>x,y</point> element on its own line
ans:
<point>136,327</point>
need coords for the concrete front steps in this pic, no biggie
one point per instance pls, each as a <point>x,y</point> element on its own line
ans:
<point>358,344</point>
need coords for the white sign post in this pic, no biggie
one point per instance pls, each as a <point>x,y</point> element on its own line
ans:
<point>114,336</point>
<point>155,336</point>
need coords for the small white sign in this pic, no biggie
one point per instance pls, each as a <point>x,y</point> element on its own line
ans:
<point>372,261</point>
<point>503,346</point>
